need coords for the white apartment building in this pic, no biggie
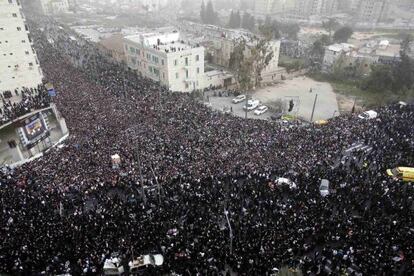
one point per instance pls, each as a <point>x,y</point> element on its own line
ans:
<point>306,8</point>
<point>163,57</point>
<point>371,10</point>
<point>19,66</point>
<point>54,6</point>
<point>263,8</point>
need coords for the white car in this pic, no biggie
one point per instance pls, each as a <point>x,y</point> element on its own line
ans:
<point>145,261</point>
<point>113,266</point>
<point>286,181</point>
<point>368,115</point>
<point>261,110</point>
<point>239,99</point>
<point>251,105</point>
<point>324,188</point>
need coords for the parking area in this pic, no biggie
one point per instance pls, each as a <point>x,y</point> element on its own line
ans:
<point>301,91</point>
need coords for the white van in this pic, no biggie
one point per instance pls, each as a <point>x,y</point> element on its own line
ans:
<point>251,105</point>
<point>368,115</point>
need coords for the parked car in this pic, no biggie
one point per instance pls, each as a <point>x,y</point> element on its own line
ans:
<point>140,264</point>
<point>251,105</point>
<point>239,99</point>
<point>261,110</point>
<point>113,266</point>
<point>285,181</point>
<point>324,187</point>
<point>368,115</point>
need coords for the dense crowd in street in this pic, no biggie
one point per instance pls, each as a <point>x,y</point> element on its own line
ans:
<point>22,102</point>
<point>185,167</point>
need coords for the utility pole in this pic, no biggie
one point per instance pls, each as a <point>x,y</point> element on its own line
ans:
<point>230,231</point>
<point>314,105</point>
<point>158,186</point>
<point>144,199</point>
<point>247,102</point>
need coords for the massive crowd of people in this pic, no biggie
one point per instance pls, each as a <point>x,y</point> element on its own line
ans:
<point>185,169</point>
<point>27,101</point>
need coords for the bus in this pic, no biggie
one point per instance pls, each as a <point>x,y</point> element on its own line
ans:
<point>405,174</point>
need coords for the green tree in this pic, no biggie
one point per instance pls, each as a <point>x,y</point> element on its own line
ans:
<point>330,26</point>
<point>248,21</point>
<point>210,14</point>
<point>202,12</point>
<point>317,51</point>
<point>237,20</point>
<point>290,30</point>
<point>343,34</point>
<point>404,73</point>
<point>380,79</point>
<point>406,41</point>
<point>232,18</point>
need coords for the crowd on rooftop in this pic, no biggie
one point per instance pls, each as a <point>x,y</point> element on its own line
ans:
<point>23,101</point>
<point>185,169</point>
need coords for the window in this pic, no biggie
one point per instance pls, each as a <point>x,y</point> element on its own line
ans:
<point>148,56</point>
<point>19,29</point>
<point>175,62</point>
<point>197,57</point>
<point>186,61</point>
<point>11,1</point>
<point>138,51</point>
<point>132,49</point>
<point>23,41</point>
<point>186,86</point>
<point>198,70</point>
<point>186,74</point>
<point>14,14</point>
<point>26,28</point>
<point>162,61</point>
<point>30,63</point>
<point>26,52</point>
<point>177,75</point>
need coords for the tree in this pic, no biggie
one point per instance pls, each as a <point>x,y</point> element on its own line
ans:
<point>203,12</point>
<point>210,14</point>
<point>248,22</point>
<point>380,79</point>
<point>318,49</point>
<point>404,73</point>
<point>234,21</point>
<point>237,20</point>
<point>406,41</point>
<point>343,34</point>
<point>261,54</point>
<point>231,23</point>
<point>330,25</point>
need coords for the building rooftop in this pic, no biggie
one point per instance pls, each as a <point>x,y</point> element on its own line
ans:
<point>165,42</point>
<point>341,47</point>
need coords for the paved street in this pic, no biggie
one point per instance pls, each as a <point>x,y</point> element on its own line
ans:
<point>296,89</point>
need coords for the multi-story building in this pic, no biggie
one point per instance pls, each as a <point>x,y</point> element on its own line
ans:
<point>372,11</point>
<point>263,8</point>
<point>223,48</point>
<point>19,66</point>
<point>306,8</point>
<point>54,6</point>
<point>163,57</point>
